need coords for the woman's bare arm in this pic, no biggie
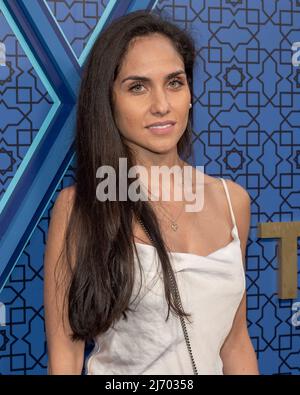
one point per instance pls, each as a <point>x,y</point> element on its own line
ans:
<point>237,353</point>
<point>64,355</point>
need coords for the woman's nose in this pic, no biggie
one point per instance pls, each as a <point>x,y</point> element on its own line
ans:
<point>160,103</point>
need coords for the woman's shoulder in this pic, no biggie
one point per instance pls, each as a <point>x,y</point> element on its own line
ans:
<point>236,191</point>
<point>63,205</point>
<point>239,196</point>
<point>66,195</point>
<point>241,206</point>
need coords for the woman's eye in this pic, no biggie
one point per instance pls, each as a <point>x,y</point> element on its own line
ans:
<point>133,88</point>
<point>177,81</point>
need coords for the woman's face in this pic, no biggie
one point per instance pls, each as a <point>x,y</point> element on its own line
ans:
<point>139,103</point>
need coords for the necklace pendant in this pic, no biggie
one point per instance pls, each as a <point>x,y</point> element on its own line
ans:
<point>174,226</point>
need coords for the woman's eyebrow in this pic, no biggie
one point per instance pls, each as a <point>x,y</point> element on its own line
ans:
<point>146,79</point>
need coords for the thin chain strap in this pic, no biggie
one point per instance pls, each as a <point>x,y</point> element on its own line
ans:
<point>178,302</point>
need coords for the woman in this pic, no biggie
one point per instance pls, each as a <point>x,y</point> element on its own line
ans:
<point>102,281</point>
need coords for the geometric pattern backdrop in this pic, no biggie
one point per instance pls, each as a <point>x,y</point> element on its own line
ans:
<point>246,127</point>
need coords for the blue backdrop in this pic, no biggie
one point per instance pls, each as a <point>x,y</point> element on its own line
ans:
<point>246,127</point>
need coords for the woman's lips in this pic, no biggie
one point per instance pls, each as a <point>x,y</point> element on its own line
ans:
<point>162,129</point>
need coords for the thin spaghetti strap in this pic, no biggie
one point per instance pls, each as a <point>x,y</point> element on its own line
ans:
<point>229,201</point>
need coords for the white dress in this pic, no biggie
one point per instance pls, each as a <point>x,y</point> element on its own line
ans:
<point>211,289</point>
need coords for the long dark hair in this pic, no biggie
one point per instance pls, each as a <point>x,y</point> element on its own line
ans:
<point>99,238</point>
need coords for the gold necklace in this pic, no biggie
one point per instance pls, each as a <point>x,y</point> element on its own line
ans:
<point>174,224</point>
